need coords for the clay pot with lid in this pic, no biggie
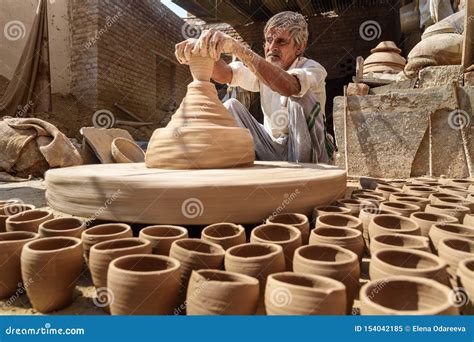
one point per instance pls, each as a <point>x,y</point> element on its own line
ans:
<point>257,260</point>
<point>451,230</point>
<point>162,236</point>
<point>392,224</point>
<point>465,276</point>
<point>215,292</point>
<point>454,190</point>
<point>426,220</point>
<point>366,215</point>
<point>454,250</point>
<point>27,221</point>
<point>288,237</point>
<point>354,205</point>
<point>52,267</point>
<point>9,208</point>
<point>290,294</point>
<point>299,221</point>
<point>338,220</point>
<point>62,226</point>
<point>348,238</point>
<point>387,191</point>
<point>225,234</point>
<point>406,295</point>
<point>400,241</point>
<point>402,261</point>
<point>456,211</point>
<point>404,209</point>
<point>419,190</point>
<point>11,244</point>
<point>104,232</point>
<point>330,261</point>
<point>144,284</point>
<point>126,151</point>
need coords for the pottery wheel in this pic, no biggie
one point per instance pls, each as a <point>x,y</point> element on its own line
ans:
<point>136,194</point>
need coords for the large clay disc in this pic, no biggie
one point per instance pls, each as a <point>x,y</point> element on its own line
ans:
<point>136,194</point>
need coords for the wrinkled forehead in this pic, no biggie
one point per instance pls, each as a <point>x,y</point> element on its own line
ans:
<point>278,32</point>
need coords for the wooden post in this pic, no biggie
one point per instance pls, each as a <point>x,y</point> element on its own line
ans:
<point>468,49</point>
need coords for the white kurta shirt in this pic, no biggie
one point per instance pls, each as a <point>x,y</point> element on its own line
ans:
<point>311,76</point>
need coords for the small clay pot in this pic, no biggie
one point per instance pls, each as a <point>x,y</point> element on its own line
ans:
<point>405,295</point>
<point>348,238</point>
<point>440,195</point>
<point>397,195</point>
<point>104,232</point>
<point>288,237</point>
<point>418,201</point>
<point>365,192</point>
<point>126,151</point>
<point>454,190</point>
<point>387,191</point>
<point>397,183</point>
<point>376,200</point>
<point>465,275</point>
<point>366,215</point>
<point>162,236</point>
<point>62,226</point>
<point>468,220</point>
<point>451,230</point>
<point>355,205</point>
<point>456,211</point>
<point>426,220</point>
<point>52,267</point>
<point>401,241</point>
<point>425,181</point>
<point>256,260</point>
<point>196,254</point>
<point>299,221</point>
<point>419,190</point>
<point>225,234</point>
<point>143,284</point>
<point>11,208</point>
<point>27,221</point>
<point>402,261</point>
<point>462,183</point>
<point>404,209</point>
<point>330,261</point>
<point>290,294</point>
<point>214,292</point>
<point>392,224</point>
<point>329,209</point>
<point>102,254</point>
<point>11,244</point>
<point>338,220</point>
<point>454,250</point>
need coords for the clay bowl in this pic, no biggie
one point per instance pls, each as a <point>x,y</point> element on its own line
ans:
<point>405,295</point>
<point>465,275</point>
<point>454,190</point>
<point>62,226</point>
<point>289,294</point>
<point>52,267</point>
<point>392,224</point>
<point>376,200</point>
<point>329,209</point>
<point>400,241</point>
<point>4,203</point>
<point>402,261</point>
<point>469,220</point>
<point>11,244</point>
<point>456,201</point>
<point>215,292</point>
<point>404,209</point>
<point>450,230</point>
<point>387,191</point>
<point>426,220</point>
<point>288,237</point>
<point>11,209</point>
<point>126,151</point>
<point>354,205</point>
<point>419,190</point>
<point>27,221</point>
<point>144,284</point>
<point>348,238</point>
<point>456,211</point>
<point>225,234</point>
<point>418,201</point>
<point>440,195</point>
<point>339,220</point>
<point>162,236</point>
<point>330,261</point>
<point>366,215</point>
<point>299,221</point>
<point>462,183</point>
<point>454,250</point>
<point>365,192</point>
<point>397,183</point>
<point>104,232</point>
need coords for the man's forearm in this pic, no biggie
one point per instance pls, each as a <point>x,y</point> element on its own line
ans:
<point>222,73</point>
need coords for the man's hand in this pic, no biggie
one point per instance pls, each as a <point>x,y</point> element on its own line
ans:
<point>183,50</point>
<point>212,43</point>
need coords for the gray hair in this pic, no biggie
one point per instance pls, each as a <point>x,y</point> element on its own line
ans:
<point>294,22</point>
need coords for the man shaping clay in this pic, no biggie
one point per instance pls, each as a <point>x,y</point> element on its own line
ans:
<point>292,88</point>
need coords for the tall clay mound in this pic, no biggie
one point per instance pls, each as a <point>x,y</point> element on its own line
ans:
<point>202,134</point>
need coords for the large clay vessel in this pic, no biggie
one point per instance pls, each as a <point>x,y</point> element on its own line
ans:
<point>366,215</point>
<point>292,294</point>
<point>454,250</point>
<point>339,220</point>
<point>162,237</point>
<point>401,261</point>
<point>202,134</point>
<point>9,208</point>
<point>225,234</point>
<point>406,295</point>
<point>299,221</point>
<point>426,220</point>
<point>333,262</point>
<point>465,276</point>
<point>27,221</point>
<point>288,237</point>
<point>452,230</point>
<point>348,238</point>
<point>215,292</point>
<point>11,244</point>
<point>52,267</point>
<point>404,209</point>
<point>104,232</point>
<point>392,224</point>
<point>257,260</point>
<point>401,241</point>
<point>144,284</point>
<point>62,226</point>
<point>456,211</point>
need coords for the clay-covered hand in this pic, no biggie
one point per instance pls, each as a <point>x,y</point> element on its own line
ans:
<point>212,43</point>
<point>183,50</point>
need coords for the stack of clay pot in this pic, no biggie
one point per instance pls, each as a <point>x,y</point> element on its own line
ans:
<point>385,58</point>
